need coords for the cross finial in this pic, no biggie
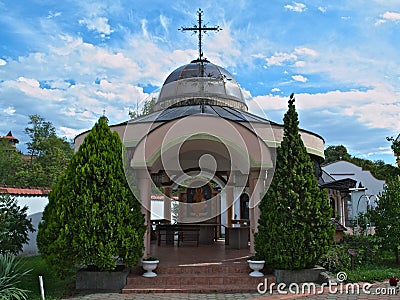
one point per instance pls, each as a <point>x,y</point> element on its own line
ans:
<point>200,29</point>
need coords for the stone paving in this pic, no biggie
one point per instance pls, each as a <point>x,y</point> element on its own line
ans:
<point>377,291</point>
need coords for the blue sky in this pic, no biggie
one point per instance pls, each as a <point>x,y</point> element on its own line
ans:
<point>70,60</point>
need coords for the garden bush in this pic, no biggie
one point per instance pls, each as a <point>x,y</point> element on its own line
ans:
<point>11,274</point>
<point>337,259</point>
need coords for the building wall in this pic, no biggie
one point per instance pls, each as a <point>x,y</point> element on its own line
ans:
<point>35,210</point>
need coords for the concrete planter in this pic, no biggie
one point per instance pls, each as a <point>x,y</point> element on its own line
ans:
<point>101,280</point>
<point>256,266</point>
<point>299,276</point>
<point>149,266</point>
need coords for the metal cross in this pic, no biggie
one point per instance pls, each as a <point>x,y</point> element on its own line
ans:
<point>200,28</point>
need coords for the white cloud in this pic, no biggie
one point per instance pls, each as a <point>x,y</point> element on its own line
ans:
<point>279,58</point>
<point>275,90</point>
<point>31,87</point>
<point>164,22</point>
<point>299,78</point>
<point>374,108</point>
<point>297,7</point>
<point>144,28</point>
<point>305,51</point>
<point>70,133</point>
<point>223,48</point>
<point>9,110</point>
<point>2,62</point>
<point>53,14</point>
<point>99,24</point>
<point>388,16</point>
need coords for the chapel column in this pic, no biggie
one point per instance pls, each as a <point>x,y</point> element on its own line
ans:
<point>145,197</point>
<point>229,203</point>
<point>167,203</point>
<point>256,187</point>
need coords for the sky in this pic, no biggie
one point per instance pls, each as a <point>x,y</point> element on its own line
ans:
<point>69,61</point>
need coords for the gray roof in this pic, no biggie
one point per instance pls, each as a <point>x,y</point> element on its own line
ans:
<point>225,112</point>
<point>200,81</point>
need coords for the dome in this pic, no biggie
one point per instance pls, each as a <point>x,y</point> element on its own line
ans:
<point>200,82</point>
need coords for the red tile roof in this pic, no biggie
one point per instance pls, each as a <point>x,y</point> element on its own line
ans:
<point>10,137</point>
<point>25,191</point>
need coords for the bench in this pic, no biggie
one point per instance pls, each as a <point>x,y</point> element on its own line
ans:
<point>184,233</point>
<point>166,233</point>
<point>189,233</point>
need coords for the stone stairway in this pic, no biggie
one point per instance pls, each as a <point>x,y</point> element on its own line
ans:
<point>225,277</point>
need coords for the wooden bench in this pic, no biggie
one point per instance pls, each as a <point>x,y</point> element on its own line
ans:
<point>184,233</point>
<point>166,233</point>
<point>189,233</point>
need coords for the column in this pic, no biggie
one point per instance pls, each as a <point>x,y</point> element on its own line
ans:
<point>167,204</point>
<point>256,187</point>
<point>229,204</point>
<point>145,194</point>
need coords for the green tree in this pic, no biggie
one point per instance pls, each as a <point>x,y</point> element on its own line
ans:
<point>49,155</point>
<point>146,109</point>
<point>92,216</point>
<point>14,225</point>
<point>335,153</point>
<point>379,169</point>
<point>294,228</point>
<point>38,131</point>
<point>386,217</point>
<point>10,162</point>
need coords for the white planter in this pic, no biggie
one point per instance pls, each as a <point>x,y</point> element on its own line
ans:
<point>256,266</point>
<point>149,266</point>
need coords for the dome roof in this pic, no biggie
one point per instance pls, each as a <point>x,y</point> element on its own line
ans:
<point>200,82</point>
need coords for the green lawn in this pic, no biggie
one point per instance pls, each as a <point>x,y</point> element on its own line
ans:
<point>372,274</point>
<point>54,288</point>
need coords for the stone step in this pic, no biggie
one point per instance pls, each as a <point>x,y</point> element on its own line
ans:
<point>183,279</point>
<point>206,269</point>
<point>196,284</point>
<point>208,277</point>
<point>193,289</point>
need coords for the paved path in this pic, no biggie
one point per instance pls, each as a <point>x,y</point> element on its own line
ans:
<point>377,291</point>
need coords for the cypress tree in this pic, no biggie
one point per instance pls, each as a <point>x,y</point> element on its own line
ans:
<point>92,217</point>
<point>294,226</point>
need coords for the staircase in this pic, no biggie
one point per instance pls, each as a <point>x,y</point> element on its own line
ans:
<point>222,277</point>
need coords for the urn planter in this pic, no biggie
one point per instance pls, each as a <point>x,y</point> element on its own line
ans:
<point>149,266</point>
<point>256,266</point>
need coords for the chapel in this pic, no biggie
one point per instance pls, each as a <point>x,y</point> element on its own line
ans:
<point>200,158</point>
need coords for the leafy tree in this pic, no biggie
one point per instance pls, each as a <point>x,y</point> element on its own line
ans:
<point>146,109</point>
<point>49,155</point>
<point>294,228</point>
<point>379,169</point>
<point>386,217</point>
<point>38,131</point>
<point>92,216</point>
<point>395,144</point>
<point>335,153</point>
<point>10,162</point>
<point>14,225</point>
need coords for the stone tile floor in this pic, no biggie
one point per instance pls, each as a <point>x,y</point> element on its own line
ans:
<point>376,292</point>
<point>173,256</point>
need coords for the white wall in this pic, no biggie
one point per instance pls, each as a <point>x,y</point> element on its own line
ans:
<point>35,210</point>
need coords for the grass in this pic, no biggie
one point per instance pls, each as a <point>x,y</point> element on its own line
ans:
<point>382,269</point>
<point>54,287</point>
<point>372,273</point>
